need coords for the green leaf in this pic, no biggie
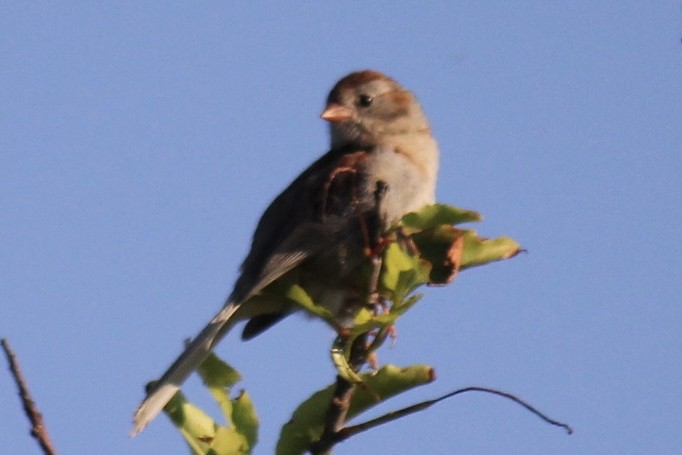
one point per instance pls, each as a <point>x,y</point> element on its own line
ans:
<point>201,432</point>
<point>218,377</point>
<point>227,441</point>
<point>307,422</point>
<point>244,418</point>
<point>216,373</point>
<point>478,251</point>
<point>401,272</point>
<point>384,319</point>
<point>438,214</point>
<point>294,293</point>
<point>195,425</point>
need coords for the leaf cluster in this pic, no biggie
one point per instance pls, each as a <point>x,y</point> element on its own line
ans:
<point>424,248</point>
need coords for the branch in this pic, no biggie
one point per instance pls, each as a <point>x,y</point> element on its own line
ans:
<point>38,429</point>
<point>347,432</point>
<point>335,417</point>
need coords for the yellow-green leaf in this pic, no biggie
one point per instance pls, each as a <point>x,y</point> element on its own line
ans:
<point>227,441</point>
<point>401,272</point>
<point>438,214</point>
<point>201,432</point>
<point>478,251</point>
<point>307,422</point>
<point>245,419</point>
<point>195,425</point>
<point>296,294</point>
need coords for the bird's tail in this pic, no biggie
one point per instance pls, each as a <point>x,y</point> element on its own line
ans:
<point>195,353</point>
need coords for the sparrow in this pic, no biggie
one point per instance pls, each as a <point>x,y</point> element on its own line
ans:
<point>382,164</point>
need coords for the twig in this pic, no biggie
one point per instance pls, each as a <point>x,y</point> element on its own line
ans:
<point>336,414</point>
<point>38,429</point>
<point>347,432</point>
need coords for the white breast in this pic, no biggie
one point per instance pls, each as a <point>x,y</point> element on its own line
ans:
<point>409,171</point>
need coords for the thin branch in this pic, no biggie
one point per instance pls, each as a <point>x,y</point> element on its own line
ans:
<point>347,432</point>
<point>38,429</point>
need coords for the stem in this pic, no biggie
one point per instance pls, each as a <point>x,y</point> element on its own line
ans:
<point>38,429</point>
<point>338,407</point>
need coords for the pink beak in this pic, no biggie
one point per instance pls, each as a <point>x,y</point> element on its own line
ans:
<point>336,113</point>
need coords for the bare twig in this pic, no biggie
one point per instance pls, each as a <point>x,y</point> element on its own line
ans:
<point>38,429</point>
<point>347,432</point>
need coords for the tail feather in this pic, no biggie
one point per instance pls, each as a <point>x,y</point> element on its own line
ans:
<point>189,360</point>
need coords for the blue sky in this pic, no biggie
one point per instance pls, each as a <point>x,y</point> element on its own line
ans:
<point>140,141</point>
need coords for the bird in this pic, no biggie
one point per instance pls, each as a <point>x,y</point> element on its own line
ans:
<point>382,163</point>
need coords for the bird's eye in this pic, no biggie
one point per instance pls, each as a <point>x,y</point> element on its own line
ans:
<point>365,100</point>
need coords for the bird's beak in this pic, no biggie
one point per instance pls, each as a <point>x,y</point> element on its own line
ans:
<point>336,113</point>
